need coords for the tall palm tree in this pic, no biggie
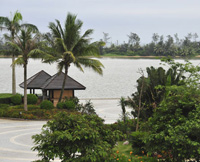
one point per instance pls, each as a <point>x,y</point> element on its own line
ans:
<point>25,45</point>
<point>13,26</point>
<point>72,47</point>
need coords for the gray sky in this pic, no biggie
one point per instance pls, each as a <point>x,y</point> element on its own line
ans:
<point>116,17</point>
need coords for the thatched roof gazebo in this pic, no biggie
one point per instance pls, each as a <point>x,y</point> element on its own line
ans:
<point>51,85</point>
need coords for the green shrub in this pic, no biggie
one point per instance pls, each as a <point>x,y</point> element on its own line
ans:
<point>5,98</point>
<point>87,108</point>
<point>46,105</point>
<point>70,105</point>
<point>75,133</point>
<point>16,99</point>
<point>137,142</point>
<point>74,99</point>
<point>32,99</point>
<point>60,105</point>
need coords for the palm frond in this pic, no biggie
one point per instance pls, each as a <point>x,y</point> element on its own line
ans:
<point>96,65</point>
<point>78,65</point>
<point>60,66</point>
<point>17,17</point>
<point>5,23</point>
<point>60,28</point>
<point>37,53</point>
<point>14,46</point>
<point>30,26</point>
<point>19,61</point>
<point>54,30</point>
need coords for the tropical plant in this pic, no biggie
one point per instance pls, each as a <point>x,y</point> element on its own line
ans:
<point>151,89</point>
<point>69,46</point>
<point>25,45</point>
<point>174,127</point>
<point>13,26</point>
<point>75,137</point>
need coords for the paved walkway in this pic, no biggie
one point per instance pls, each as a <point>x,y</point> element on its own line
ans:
<point>15,140</point>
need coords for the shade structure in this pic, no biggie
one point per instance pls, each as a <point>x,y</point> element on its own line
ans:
<point>37,80</point>
<point>43,80</point>
<point>56,81</point>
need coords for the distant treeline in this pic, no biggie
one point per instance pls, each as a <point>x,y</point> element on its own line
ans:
<point>159,46</point>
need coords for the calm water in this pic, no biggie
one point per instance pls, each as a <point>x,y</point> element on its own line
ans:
<point>119,79</point>
<point>119,76</point>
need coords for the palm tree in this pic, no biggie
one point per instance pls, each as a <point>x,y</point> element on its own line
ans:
<point>72,47</point>
<point>25,45</point>
<point>13,26</point>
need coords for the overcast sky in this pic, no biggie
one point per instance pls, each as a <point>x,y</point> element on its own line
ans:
<point>116,17</point>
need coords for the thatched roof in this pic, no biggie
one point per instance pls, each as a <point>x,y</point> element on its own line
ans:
<point>42,80</point>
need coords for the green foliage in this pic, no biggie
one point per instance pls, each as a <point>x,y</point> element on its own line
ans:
<point>5,98</point>
<point>46,104</point>
<point>175,125</point>
<point>137,142</point>
<point>16,99</point>
<point>5,95</point>
<point>31,99</point>
<point>60,105</point>
<point>69,105</point>
<point>124,127</point>
<point>152,89</point>
<point>87,108</point>
<point>187,47</point>
<point>74,138</point>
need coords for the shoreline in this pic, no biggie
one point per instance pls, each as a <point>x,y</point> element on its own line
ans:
<point>134,57</point>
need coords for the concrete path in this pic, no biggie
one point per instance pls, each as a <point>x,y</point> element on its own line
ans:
<point>15,140</point>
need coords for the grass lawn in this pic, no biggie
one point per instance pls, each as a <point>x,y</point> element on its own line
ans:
<point>5,95</point>
<point>123,149</point>
<point>124,153</point>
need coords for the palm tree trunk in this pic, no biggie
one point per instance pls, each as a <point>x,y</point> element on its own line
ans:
<point>63,86</point>
<point>25,88</point>
<point>13,76</point>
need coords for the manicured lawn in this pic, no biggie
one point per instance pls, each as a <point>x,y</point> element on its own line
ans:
<point>5,95</point>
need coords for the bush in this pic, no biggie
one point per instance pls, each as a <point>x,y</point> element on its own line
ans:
<point>16,99</point>
<point>137,142</point>
<point>69,134</point>
<point>5,98</point>
<point>70,105</point>
<point>32,99</point>
<point>60,105</point>
<point>88,108</point>
<point>46,105</point>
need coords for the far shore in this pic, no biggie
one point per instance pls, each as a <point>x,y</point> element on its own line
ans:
<point>134,57</point>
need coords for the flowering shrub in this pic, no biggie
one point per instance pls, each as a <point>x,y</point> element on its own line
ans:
<point>118,157</point>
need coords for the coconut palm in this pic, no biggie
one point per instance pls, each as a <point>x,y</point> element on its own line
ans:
<point>13,26</point>
<point>72,47</point>
<point>25,45</point>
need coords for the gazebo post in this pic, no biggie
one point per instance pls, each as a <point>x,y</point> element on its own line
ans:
<point>44,94</point>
